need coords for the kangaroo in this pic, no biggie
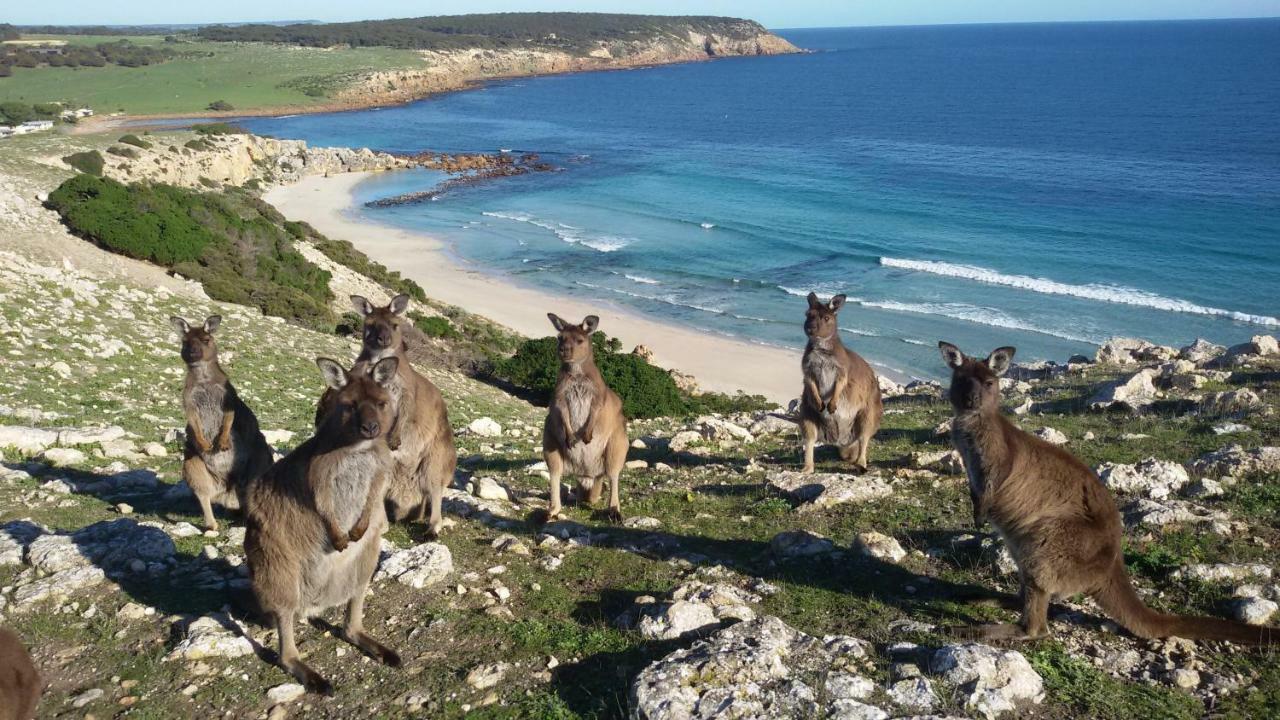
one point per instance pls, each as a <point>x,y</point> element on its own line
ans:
<point>585,432</point>
<point>420,438</point>
<point>20,683</point>
<point>224,448</point>
<point>316,519</point>
<point>840,403</point>
<point>1056,517</point>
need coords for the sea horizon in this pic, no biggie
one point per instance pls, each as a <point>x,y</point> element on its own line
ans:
<point>1056,207</point>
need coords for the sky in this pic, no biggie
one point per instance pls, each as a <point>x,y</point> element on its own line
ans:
<point>772,13</point>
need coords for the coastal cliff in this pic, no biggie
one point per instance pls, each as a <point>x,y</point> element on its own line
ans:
<point>447,70</point>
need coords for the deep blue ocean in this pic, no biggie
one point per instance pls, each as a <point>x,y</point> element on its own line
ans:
<point>1045,186</point>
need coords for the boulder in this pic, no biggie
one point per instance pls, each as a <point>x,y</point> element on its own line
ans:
<point>676,620</point>
<point>879,546</point>
<point>486,488</point>
<point>1151,478</point>
<point>991,681</point>
<point>1133,393</point>
<point>62,457</point>
<point>214,636</point>
<point>485,427</point>
<point>1224,572</point>
<point>683,440</point>
<point>1122,351</point>
<point>1158,513</point>
<point>1051,436</point>
<point>484,677</point>
<point>824,490</point>
<point>943,461</point>
<point>1234,461</point>
<point>757,669</point>
<point>1230,402</point>
<point>419,566</point>
<point>1201,352</point>
<point>800,543</point>
<point>57,587</point>
<point>1255,611</point>
<point>27,439</point>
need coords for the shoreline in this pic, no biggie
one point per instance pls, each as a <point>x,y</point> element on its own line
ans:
<point>717,362</point>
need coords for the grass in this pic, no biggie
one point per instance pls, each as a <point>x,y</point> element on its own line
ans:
<point>249,76</point>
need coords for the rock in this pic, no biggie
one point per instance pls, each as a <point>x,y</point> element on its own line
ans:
<point>800,543</point>
<point>1223,572</point>
<point>824,490</point>
<point>90,435</point>
<point>1255,610</point>
<point>1134,393</point>
<point>1051,436</point>
<point>991,681</point>
<point>57,587</point>
<point>772,424</point>
<point>913,694</point>
<point>1205,488</point>
<point>1153,513</point>
<point>643,352</point>
<point>1231,402</point>
<point>483,677</point>
<point>639,522</point>
<point>683,440</point>
<point>1201,352</point>
<point>286,693</point>
<point>184,529</point>
<point>1265,345</point>
<point>943,461</point>
<point>677,620</point>
<point>419,566</point>
<point>27,439</point>
<point>485,427</point>
<point>757,669</point>
<point>276,438</point>
<point>61,369</point>
<point>879,546</point>
<point>1234,461</point>
<point>62,457</point>
<point>487,488</point>
<point>1184,678</point>
<point>636,465</point>
<point>510,544</point>
<point>134,611</point>
<point>714,428</point>
<point>86,697</point>
<point>1230,428</point>
<point>154,449</point>
<point>1152,478</point>
<point>1122,351</point>
<point>211,637</point>
<point>1258,346</point>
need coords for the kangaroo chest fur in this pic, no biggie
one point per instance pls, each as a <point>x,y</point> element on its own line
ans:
<point>968,449</point>
<point>329,577</point>
<point>577,396</point>
<point>821,365</point>
<point>208,399</point>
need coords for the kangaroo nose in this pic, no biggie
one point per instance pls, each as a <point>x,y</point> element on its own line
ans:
<point>369,429</point>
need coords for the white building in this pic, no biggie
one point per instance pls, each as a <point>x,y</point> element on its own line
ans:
<point>76,114</point>
<point>35,126</point>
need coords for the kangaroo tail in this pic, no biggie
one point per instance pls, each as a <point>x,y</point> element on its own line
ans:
<point>1121,602</point>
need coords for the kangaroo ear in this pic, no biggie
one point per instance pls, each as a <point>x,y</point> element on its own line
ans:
<point>211,323</point>
<point>951,354</point>
<point>180,325</point>
<point>837,302</point>
<point>361,305</point>
<point>334,375</point>
<point>557,322</point>
<point>399,304</point>
<point>1000,359</point>
<point>590,323</point>
<point>814,302</point>
<point>385,370</point>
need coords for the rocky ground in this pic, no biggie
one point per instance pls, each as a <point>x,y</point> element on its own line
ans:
<point>735,588</point>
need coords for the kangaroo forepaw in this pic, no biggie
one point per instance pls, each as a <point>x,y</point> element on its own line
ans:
<point>357,532</point>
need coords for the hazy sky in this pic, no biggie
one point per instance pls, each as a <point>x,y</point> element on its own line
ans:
<point>773,13</point>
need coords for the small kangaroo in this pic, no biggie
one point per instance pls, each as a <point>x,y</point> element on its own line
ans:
<point>840,403</point>
<point>1056,517</point>
<point>420,438</point>
<point>315,520</point>
<point>20,683</point>
<point>585,432</point>
<point>225,448</point>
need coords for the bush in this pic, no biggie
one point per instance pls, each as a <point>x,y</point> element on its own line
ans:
<point>218,128</point>
<point>221,106</point>
<point>135,141</point>
<point>127,152</point>
<point>198,144</point>
<point>218,239</point>
<point>434,326</point>
<point>346,254</point>
<point>646,391</point>
<point>89,162</point>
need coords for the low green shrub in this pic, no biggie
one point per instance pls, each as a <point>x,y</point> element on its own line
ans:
<point>127,152</point>
<point>89,162</point>
<point>434,326</point>
<point>135,141</point>
<point>218,128</point>
<point>221,106</point>
<point>198,144</point>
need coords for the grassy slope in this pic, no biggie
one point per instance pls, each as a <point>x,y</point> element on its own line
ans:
<point>248,75</point>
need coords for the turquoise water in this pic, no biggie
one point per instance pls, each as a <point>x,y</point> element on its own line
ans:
<point>1045,186</point>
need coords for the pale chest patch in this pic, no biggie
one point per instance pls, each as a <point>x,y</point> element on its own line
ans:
<point>578,396</point>
<point>822,367</point>
<point>350,477</point>
<point>208,399</point>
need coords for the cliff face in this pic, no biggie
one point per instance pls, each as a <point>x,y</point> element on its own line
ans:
<point>447,70</point>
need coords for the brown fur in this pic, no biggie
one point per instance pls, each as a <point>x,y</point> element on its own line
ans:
<point>1057,518</point>
<point>421,439</point>
<point>841,402</point>
<point>585,432</point>
<point>315,521</point>
<point>20,683</point>
<point>224,449</point>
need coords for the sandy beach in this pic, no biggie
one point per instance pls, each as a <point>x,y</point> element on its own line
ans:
<point>719,363</point>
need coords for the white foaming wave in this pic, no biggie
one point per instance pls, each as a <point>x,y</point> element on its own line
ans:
<point>706,225</point>
<point>671,300</point>
<point>567,233</point>
<point>1103,293</point>
<point>974,314</point>
<point>826,290</point>
<point>859,332</point>
<point>641,279</point>
<point>913,341</point>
